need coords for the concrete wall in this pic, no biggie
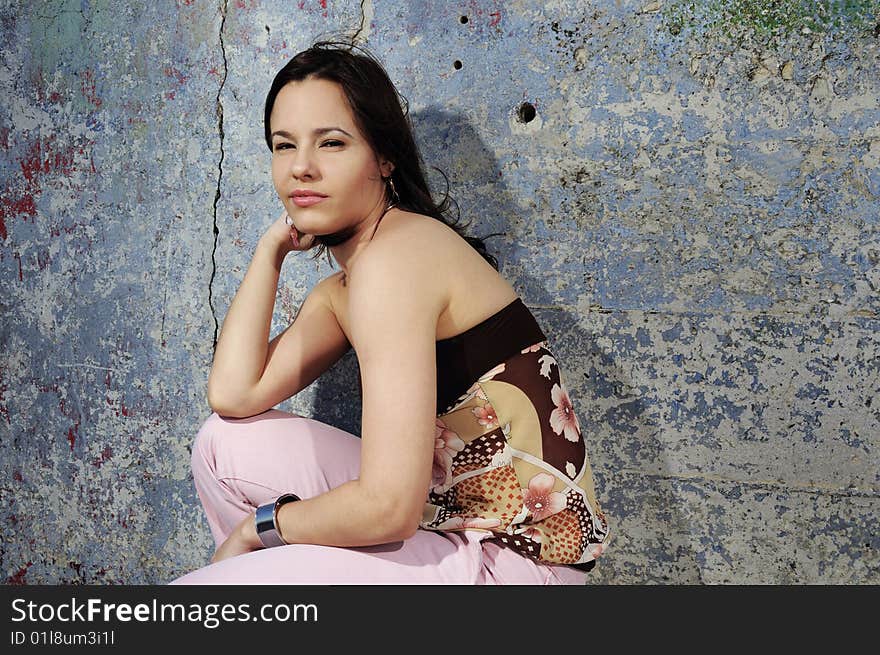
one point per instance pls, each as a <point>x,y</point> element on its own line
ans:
<point>691,212</point>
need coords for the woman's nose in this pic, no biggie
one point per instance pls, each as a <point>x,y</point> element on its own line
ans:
<point>303,164</point>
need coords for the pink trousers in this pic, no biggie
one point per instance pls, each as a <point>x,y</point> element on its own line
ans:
<point>239,464</point>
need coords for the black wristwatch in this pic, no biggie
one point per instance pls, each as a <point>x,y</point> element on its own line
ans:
<point>266,520</point>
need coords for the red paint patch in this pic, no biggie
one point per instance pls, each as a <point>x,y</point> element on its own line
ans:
<point>16,475</point>
<point>106,454</point>
<point>276,47</point>
<point>172,72</point>
<point>18,578</point>
<point>477,12</point>
<point>42,159</point>
<point>73,431</point>
<point>87,83</point>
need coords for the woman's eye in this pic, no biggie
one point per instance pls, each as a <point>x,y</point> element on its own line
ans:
<point>287,146</point>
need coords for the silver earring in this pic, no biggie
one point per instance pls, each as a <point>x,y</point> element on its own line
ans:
<point>395,198</point>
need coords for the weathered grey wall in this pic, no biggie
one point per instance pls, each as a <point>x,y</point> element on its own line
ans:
<point>692,213</point>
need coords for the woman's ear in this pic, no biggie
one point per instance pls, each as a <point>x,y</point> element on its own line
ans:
<point>386,167</point>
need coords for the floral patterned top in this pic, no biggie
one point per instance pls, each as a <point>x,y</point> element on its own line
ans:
<point>509,455</point>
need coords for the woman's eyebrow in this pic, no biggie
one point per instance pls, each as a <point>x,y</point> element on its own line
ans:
<point>317,132</point>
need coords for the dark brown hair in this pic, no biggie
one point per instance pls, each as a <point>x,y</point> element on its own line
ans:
<point>382,116</point>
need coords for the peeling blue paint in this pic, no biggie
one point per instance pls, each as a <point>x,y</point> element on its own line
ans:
<point>698,229</point>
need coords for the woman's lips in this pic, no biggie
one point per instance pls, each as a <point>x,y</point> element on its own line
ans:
<point>307,201</point>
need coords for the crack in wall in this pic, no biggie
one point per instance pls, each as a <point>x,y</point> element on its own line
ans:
<point>364,20</point>
<point>223,10</point>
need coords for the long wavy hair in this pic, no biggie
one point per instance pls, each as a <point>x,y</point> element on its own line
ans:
<point>382,116</point>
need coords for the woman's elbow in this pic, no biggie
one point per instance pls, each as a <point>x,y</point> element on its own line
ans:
<point>406,525</point>
<point>229,403</point>
<point>226,408</point>
<point>407,530</point>
<point>392,517</point>
<point>219,405</point>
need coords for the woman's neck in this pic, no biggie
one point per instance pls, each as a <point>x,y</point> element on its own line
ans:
<point>346,245</point>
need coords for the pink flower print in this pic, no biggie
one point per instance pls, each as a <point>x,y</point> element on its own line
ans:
<point>446,445</point>
<point>532,533</point>
<point>546,361</point>
<point>532,348</point>
<point>486,416</point>
<point>469,522</point>
<point>540,498</point>
<point>596,549</point>
<point>563,419</point>
<point>488,375</point>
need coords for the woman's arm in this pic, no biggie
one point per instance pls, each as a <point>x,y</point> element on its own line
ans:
<point>395,300</point>
<point>394,304</point>
<point>240,356</point>
<point>344,517</point>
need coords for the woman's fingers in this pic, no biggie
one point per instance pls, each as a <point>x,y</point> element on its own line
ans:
<point>299,239</point>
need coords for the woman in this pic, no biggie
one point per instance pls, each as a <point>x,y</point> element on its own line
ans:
<point>471,468</point>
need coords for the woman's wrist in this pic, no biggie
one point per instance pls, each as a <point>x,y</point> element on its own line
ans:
<point>247,530</point>
<point>277,251</point>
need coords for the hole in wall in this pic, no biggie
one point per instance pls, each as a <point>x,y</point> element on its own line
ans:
<point>463,20</point>
<point>526,113</point>
<point>456,64</point>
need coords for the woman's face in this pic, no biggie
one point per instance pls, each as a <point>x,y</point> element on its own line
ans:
<point>338,163</point>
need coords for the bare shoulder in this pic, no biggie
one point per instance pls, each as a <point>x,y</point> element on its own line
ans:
<point>410,244</point>
<point>333,294</point>
<point>324,290</point>
<point>439,266</point>
<point>415,235</point>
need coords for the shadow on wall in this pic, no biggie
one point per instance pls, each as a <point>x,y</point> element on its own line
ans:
<point>450,143</point>
<point>593,377</point>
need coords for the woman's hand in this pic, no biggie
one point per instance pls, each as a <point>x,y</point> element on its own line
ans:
<point>243,539</point>
<point>285,237</point>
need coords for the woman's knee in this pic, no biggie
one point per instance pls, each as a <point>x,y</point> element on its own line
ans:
<point>204,443</point>
<point>227,435</point>
<point>276,450</point>
<point>218,433</point>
